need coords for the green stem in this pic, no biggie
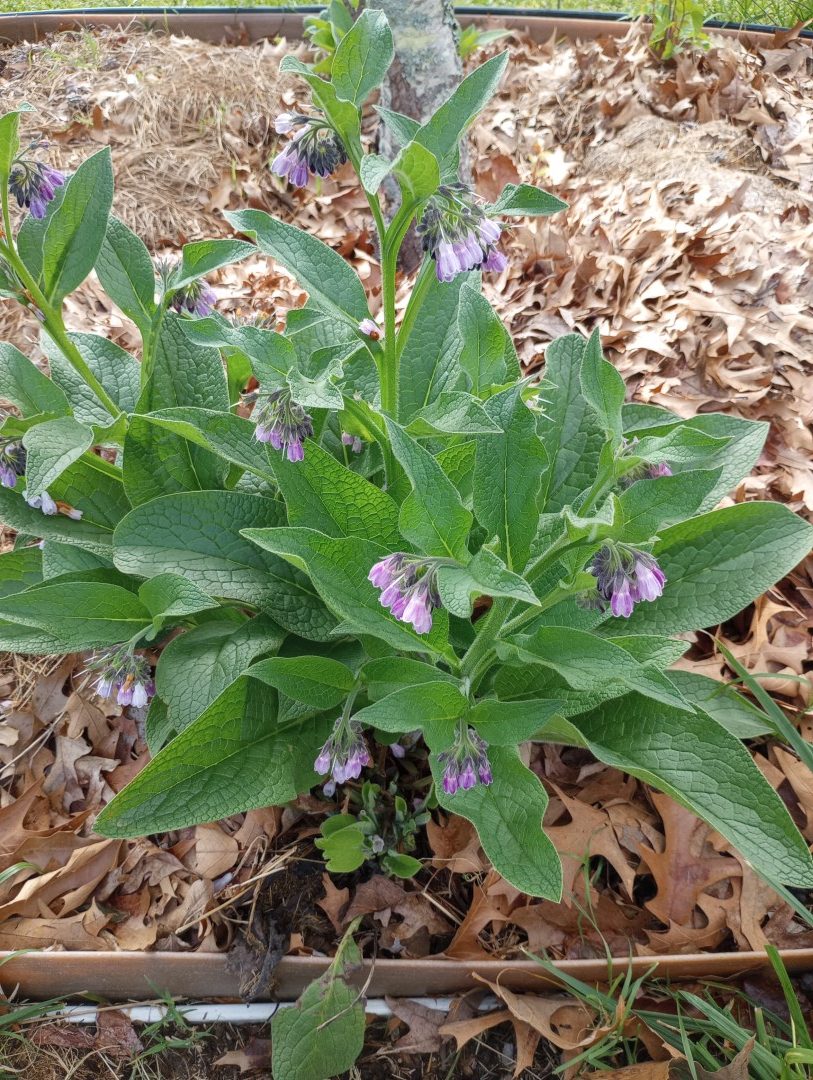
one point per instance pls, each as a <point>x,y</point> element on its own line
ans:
<point>52,315</point>
<point>414,305</point>
<point>488,629</point>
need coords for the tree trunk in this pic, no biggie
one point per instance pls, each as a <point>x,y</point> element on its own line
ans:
<point>426,69</point>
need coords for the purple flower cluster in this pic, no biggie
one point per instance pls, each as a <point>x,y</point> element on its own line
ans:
<point>625,576</point>
<point>317,149</point>
<point>408,588</point>
<point>344,754</point>
<point>283,423</point>
<point>197,298</point>
<point>121,672</point>
<point>12,461</point>
<point>466,762</point>
<point>457,233</point>
<point>33,183</point>
<point>353,441</point>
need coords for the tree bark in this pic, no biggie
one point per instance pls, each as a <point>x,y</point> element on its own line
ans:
<point>426,69</point>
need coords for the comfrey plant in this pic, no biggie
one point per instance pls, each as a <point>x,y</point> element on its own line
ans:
<point>395,537</point>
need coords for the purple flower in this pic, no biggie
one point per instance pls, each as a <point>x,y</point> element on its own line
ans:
<point>661,469</point>
<point>42,502</point>
<point>344,754</point>
<point>285,122</point>
<point>119,671</point>
<point>465,763</point>
<point>196,298</point>
<point>283,423</point>
<point>408,588</point>
<point>12,461</point>
<point>34,183</point>
<point>456,232</point>
<point>370,328</point>
<point>317,150</point>
<point>625,576</point>
<point>353,441</point>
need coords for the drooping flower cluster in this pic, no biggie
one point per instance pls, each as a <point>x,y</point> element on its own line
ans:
<point>197,298</point>
<point>353,441</point>
<point>458,234</point>
<point>408,588</point>
<point>315,149</point>
<point>282,422</point>
<point>122,672</point>
<point>625,576</point>
<point>12,461</point>
<point>51,506</point>
<point>33,183</point>
<point>344,754</point>
<point>466,762</point>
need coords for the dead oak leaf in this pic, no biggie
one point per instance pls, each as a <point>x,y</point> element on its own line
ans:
<point>589,833</point>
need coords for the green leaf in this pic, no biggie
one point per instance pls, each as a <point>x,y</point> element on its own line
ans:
<point>316,680</point>
<point>569,429</point>
<point>10,138</point>
<point>417,172</point>
<point>402,128</point>
<point>17,514</point>
<point>168,595</point>
<point>205,256</point>
<point>722,703</point>
<point>718,563</point>
<point>197,535</point>
<point>322,1035</point>
<point>318,393</point>
<point>320,493</point>
<point>126,272</point>
<point>76,229</point>
<point>442,132</point>
<point>342,844</point>
<point>328,278</point>
<point>183,374</point>
<point>525,200</point>
<point>93,486</point>
<point>432,515</point>
<point>19,569</point>
<point>452,413</point>
<point>372,171</point>
<point>414,707</point>
<point>485,341</point>
<point>271,354</point>
<point>588,662</point>
<point>507,723</point>
<point>51,447</point>
<point>338,567</point>
<point>234,757</point>
<point>117,371</point>
<point>24,385</point>
<point>429,364</point>
<point>508,817</point>
<point>403,866</point>
<point>649,504</point>
<point>485,575</point>
<point>59,559</point>
<point>602,387</point>
<point>78,614</point>
<point>507,476</point>
<point>362,58</point>
<point>704,768</point>
<point>390,673</point>
<point>196,667</point>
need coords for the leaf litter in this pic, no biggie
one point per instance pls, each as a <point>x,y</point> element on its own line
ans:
<point>689,240</point>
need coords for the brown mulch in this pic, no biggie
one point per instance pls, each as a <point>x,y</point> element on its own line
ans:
<point>689,241</point>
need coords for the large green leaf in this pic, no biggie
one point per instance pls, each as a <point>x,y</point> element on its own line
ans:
<point>76,228</point>
<point>117,371</point>
<point>412,707</point>
<point>234,757</point>
<point>24,385</point>
<point>329,279</point>
<point>722,702</point>
<point>525,200</point>
<point>649,504</point>
<point>78,614</point>
<point>50,448</point>
<point>204,256</point>
<point>198,535</point>
<point>271,355</point>
<point>19,569</point>
<point>485,341</point>
<point>429,364</point>
<point>507,475</point>
<point>319,681</point>
<point>362,58</point>
<point>338,567</point>
<point>602,386</point>
<point>432,515</point>
<point>126,272</point>
<point>195,667</point>
<point>508,817</point>
<point>17,514</point>
<point>718,563</point>
<point>704,768</point>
